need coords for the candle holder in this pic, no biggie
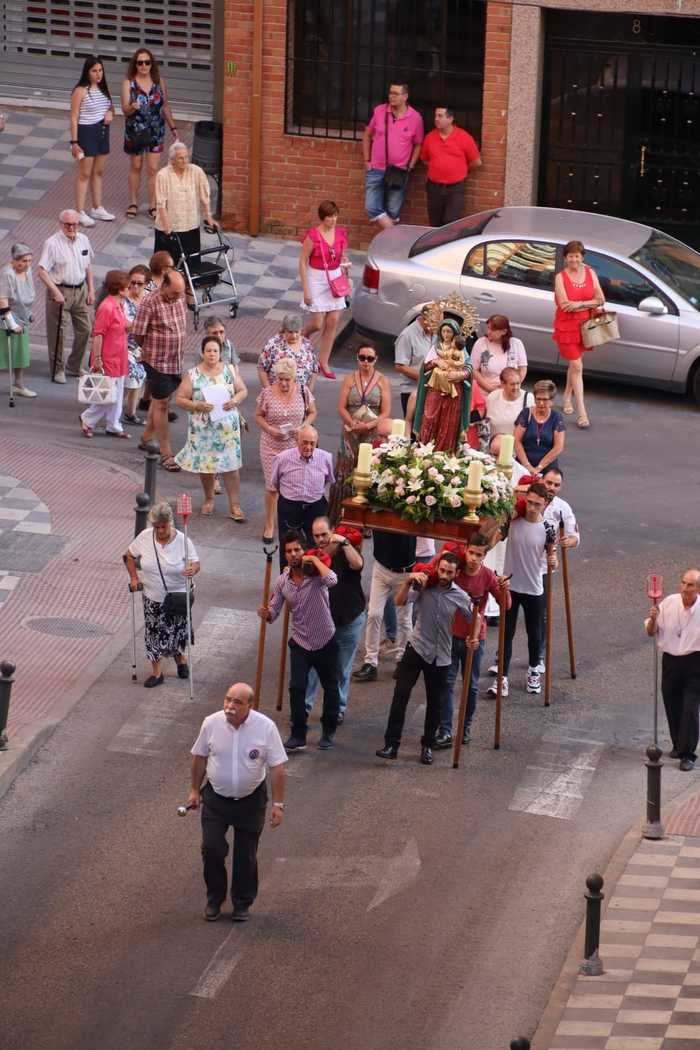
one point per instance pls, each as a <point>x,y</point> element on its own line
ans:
<point>360,485</point>
<point>472,500</point>
<point>507,470</point>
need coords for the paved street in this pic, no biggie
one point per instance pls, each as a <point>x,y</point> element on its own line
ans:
<point>425,908</point>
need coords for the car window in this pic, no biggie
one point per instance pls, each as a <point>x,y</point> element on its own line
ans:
<point>530,263</point>
<point>474,263</point>
<point>621,284</point>
<point>469,226</point>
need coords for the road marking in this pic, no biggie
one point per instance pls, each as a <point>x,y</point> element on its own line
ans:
<point>554,784</point>
<point>221,633</point>
<point>222,964</point>
<point>399,874</point>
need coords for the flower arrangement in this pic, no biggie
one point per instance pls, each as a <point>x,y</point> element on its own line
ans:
<point>423,485</point>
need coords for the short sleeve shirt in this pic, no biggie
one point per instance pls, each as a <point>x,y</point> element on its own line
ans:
<point>238,759</point>
<point>19,292</point>
<point>448,159</point>
<point>410,349</point>
<point>491,363</point>
<point>502,414</point>
<point>66,261</point>
<point>405,132</point>
<point>538,441</point>
<point>278,347</point>
<point>172,563</point>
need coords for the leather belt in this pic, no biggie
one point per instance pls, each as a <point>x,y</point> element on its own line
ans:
<point>72,285</point>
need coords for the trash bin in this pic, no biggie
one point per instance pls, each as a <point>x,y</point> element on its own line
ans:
<point>207,152</point>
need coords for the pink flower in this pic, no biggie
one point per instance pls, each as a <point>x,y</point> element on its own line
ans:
<point>411,499</point>
<point>430,500</point>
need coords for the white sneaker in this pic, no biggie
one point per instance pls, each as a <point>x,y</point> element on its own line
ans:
<point>60,376</point>
<point>533,681</point>
<point>101,213</point>
<point>492,690</point>
<point>493,670</point>
<point>23,391</point>
<point>540,667</point>
<point>84,219</point>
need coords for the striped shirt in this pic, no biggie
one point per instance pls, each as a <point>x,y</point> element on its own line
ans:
<point>432,633</point>
<point>302,480</point>
<point>312,623</point>
<point>93,106</point>
<point>159,329</point>
<point>66,261</point>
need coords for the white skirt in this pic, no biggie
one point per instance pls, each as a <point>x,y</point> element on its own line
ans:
<point>322,299</point>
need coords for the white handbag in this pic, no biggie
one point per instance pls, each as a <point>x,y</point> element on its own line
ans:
<point>602,328</point>
<point>97,389</point>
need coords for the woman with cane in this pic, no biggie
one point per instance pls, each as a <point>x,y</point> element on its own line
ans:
<point>17,295</point>
<point>167,561</point>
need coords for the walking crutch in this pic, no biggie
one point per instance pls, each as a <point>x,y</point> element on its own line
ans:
<point>500,662</point>
<point>466,680</point>
<point>283,657</point>
<point>548,646</point>
<point>134,677</point>
<point>184,509</point>
<point>268,550</point>
<point>59,333</point>
<point>9,361</point>
<point>567,598</point>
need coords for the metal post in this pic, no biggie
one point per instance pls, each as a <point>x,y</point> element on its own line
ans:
<point>520,1044</point>
<point>7,671</point>
<point>653,829</point>
<point>592,965</point>
<point>151,457</point>
<point>143,505</point>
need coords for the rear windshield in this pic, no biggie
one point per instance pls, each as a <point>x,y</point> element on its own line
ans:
<point>674,263</point>
<point>469,226</point>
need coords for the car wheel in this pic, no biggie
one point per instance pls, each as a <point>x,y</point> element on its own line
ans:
<point>694,385</point>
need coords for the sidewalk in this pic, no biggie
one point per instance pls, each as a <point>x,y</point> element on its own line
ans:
<point>649,995</point>
<point>64,613</point>
<point>37,181</point>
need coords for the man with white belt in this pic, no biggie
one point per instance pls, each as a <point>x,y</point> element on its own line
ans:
<point>65,267</point>
<point>233,752</point>
<point>676,625</point>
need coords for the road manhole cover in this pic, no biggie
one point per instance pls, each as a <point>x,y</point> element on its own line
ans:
<point>65,627</point>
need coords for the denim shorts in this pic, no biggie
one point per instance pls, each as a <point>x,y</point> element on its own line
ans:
<point>379,200</point>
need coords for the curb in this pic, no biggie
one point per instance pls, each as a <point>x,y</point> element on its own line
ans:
<point>549,1022</point>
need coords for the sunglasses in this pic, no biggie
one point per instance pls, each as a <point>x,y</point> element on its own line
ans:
<point>137,284</point>
<point>143,62</point>
<point>365,357</point>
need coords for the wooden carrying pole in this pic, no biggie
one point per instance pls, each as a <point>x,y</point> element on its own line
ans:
<point>283,657</point>
<point>256,121</point>
<point>473,635</point>
<point>567,601</point>
<point>501,660</point>
<point>263,626</point>
<point>548,647</point>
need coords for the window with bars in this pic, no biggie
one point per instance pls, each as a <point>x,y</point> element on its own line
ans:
<point>342,54</point>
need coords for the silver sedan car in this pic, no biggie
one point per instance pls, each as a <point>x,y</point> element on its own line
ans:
<point>504,262</point>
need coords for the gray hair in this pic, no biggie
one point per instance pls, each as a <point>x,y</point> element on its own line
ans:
<point>18,251</point>
<point>175,147</point>
<point>160,513</point>
<point>214,320</point>
<point>63,216</point>
<point>291,323</point>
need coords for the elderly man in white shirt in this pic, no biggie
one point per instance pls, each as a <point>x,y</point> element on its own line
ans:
<point>676,625</point>
<point>233,752</point>
<point>65,267</point>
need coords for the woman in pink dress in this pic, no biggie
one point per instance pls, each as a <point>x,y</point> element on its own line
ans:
<point>109,355</point>
<point>577,294</point>
<point>323,259</point>
<point>280,411</point>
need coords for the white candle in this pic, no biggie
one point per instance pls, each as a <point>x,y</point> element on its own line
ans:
<point>505,456</point>
<point>364,458</point>
<point>476,469</point>
<point>398,428</point>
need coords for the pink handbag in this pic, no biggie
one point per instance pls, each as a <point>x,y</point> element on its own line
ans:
<point>339,286</point>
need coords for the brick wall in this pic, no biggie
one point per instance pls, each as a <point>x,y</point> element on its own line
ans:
<point>299,171</point>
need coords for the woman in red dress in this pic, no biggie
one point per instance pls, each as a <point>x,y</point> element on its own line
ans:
<point>577,294</point>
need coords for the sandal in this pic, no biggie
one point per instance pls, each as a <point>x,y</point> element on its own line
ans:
<point>207,508</point>
<point>583,422</point>
<point>168,463</point>
<point>118,434</point>
<point>132,211</point>
<point>152,213</point>
<point>217,486</point>
<point>568,407</point>
<point>237,514</point>
<point>87,431</point>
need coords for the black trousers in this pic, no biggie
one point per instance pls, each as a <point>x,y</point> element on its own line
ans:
<point>325,663</point>
<point>445,201</point>
<point>409,669</point>
<point>532,607</point>
<point>247,818</point>
<point>543,617</point>
<point>294,515</point>
<point>680,686</point>
<point>404,401</point>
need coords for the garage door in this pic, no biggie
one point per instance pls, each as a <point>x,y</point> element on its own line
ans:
<point>44,43</point>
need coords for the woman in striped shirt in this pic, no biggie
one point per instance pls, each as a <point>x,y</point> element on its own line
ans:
<point>91,113</point>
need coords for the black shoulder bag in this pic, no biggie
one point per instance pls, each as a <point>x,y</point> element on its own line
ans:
<point>394,176</point>
<point>175,603</point>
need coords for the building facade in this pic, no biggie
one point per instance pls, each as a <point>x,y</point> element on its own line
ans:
<point>575,103</point>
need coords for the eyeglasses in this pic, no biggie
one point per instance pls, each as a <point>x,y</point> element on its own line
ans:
<point>137,284</point>
<point>70,225</point>
<point>366,357</point>
<point>143,62</point>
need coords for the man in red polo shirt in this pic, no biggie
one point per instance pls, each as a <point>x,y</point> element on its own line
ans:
<point>450,152</point>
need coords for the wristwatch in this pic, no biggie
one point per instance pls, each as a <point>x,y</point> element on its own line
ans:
<point>345,542</point>
<point>279,805</point>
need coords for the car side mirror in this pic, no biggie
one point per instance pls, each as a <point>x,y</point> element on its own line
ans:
<point>652,305</point>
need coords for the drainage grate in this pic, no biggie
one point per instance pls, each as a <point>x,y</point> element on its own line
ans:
<point>65,627</point>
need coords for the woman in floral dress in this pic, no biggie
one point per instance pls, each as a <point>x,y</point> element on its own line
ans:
<point>213,445</point>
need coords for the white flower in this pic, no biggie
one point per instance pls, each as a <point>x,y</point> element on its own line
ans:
<point>430,500</point>
<point>439,478</point>
<point>403,468</point>
<point>433,472</point>
<point>455,481</point>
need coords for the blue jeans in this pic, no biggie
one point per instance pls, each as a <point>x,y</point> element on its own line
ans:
<point>347,640</point>
<point>378,199</point>
<point>459,662</point>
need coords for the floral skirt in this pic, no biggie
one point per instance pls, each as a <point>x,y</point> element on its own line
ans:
<point>165,636</point>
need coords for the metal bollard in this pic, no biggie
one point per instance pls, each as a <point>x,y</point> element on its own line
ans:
<point>151,457</point>
<point>520,1044</point>
<point>592,965</point>
<point>143,505</point>
<point>653,829</point>
<point>7,671</point>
